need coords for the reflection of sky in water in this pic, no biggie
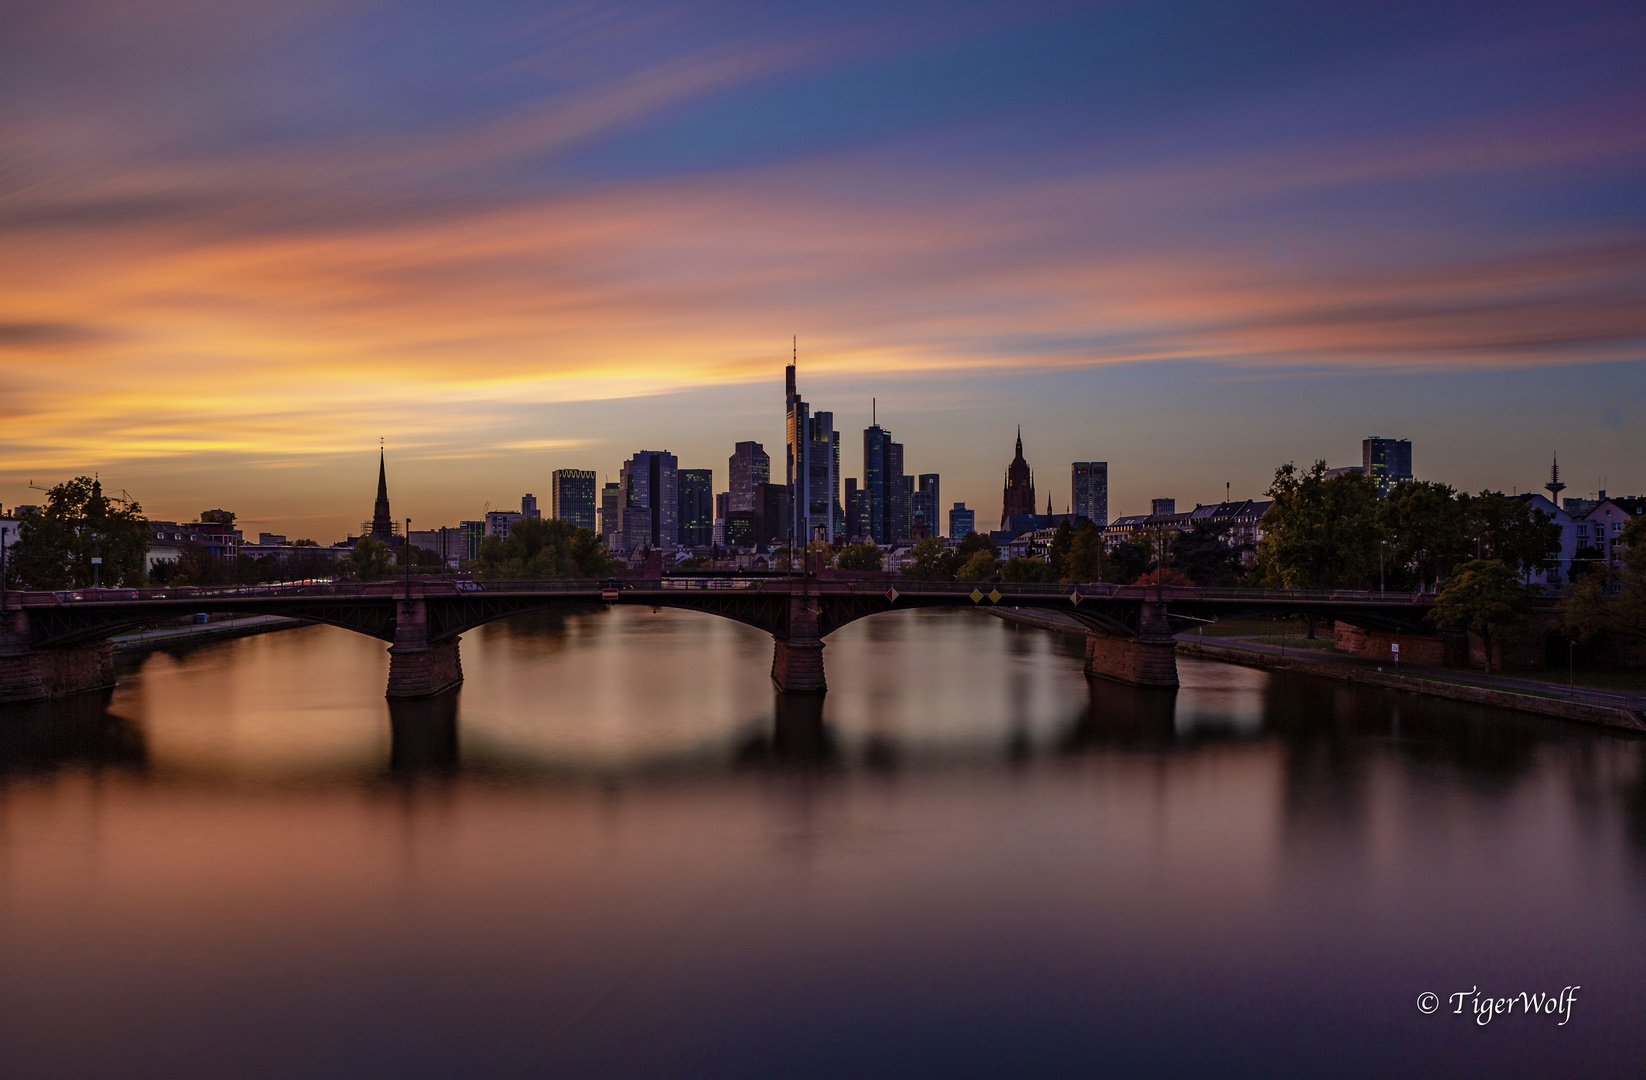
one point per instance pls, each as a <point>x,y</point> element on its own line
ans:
<point>992,869</point>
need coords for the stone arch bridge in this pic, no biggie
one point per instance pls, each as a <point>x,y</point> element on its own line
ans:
<point>57,643</point>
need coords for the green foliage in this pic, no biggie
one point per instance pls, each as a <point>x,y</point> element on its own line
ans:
<point>371,558</point>
<point>1601,602</point>
<point>1487,598</point>
<point>220,517</point>
<point>541,548</point>
<point>1204,555</point>
<point>1320,533</point>
<point>1057,553</point>
<point>1423,523</point>
<point>932,560</point>
<point>1086,559</point>
<point>1126,563</point>
<point>1509,530</point>
<point>1021,569</point>
<point>56,543</point>
<point>973,542</point>
<point>860,557</point>
<point>980,565</point>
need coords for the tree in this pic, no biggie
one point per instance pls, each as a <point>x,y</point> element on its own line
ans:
<point>1509,530</point>
<point>56,544</point>
<point>539,548</point>
<point>1601,602</point>
<point>1086,557</point>
<point>1024,570</point>
<point>1485,597</point>
<point>980,565</point>
<point>1423,523</point>
<point>194,565</point>
<point>1206,556</point>
<point>1321,533</point>
<point>1169,576</point>
<point>1125,562</point>
<point>973,542</point>
<point>931,560</point>
<point>1057,553</point>
<point>371,558</point>
<point>860,557</point>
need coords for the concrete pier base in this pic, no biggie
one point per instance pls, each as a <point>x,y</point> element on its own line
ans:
<point>1150,659</point>
<point>418,667</point>
<point>797,660</point>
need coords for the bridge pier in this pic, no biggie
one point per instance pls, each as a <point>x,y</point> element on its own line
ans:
<point>1150,659</point>
<point>797,661</point>
<point>417,666</point>
<point>29,674</point>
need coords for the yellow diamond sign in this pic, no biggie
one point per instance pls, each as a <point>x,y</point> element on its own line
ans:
<point>994,596</point>
<point>977,597</point>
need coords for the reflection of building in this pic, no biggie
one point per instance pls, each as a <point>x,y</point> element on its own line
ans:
<point>1386,462</point>
<point>961,521</point>
<point>1019,491</point>
<point>648,511</point>
<point>696,507</point>
<point>1089,491</point>
<point>571,496</point>
<point>747,468</point>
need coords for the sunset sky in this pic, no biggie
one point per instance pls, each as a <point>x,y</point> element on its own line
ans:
<point>242,241</point>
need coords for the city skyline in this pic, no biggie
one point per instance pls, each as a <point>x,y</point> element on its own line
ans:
<point>243,250</point>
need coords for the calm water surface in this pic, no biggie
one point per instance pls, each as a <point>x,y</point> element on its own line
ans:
<point>616,852</point>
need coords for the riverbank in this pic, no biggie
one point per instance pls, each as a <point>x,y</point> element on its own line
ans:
<point>155,637</point>
<point>1620,711</point>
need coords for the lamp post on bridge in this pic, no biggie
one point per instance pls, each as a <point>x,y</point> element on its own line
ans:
<point>1382,545</point>
<point>406,544</point>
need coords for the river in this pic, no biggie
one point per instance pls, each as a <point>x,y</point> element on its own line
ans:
<point>616,852</point>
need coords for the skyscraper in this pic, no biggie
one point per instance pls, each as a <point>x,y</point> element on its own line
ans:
<point>611,505</point>
<point>961,521</point>
<point>571,496</point>
<point>809,466</point>
<point>696,507</point>
<point>1386,462</point>
<point>928,504</point>
<point>528,506</point>
<point>747,468</point>
<point>1089,491</point>
<point>1019,491</point>
<point>876,440</point>
<point>857,509</point>
<point>648,510</point>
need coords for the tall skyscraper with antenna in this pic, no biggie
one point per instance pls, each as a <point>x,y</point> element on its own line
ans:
<point>810,456</point>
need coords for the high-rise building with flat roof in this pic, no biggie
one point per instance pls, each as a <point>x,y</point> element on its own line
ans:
<point>928,504</point>
<point>528,506</point>
<point>611,506</point>
<point>1162,506</point>
<point>811,451</point>
<point>747,468</point>
<point>648,511</point>
<point>1386,462</point>
<point>696,507</point>
<point>962,521</point>
<point>1089,491</point>
<point>571,496</point>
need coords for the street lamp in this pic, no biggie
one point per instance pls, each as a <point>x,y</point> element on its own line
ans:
<point>1382,545</point>
<point>405,544</point>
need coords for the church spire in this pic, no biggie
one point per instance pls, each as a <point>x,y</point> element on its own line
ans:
<point>382,521</point>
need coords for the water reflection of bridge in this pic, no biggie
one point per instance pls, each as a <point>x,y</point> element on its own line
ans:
<point>57,643</point>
